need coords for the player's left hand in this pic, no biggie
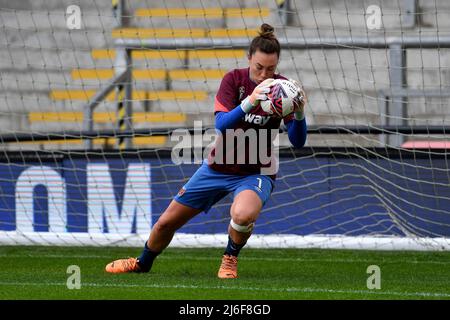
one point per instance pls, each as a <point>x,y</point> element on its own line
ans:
<point>302,100</point>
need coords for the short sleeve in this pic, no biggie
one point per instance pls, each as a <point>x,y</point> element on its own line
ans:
<point>226,96</point>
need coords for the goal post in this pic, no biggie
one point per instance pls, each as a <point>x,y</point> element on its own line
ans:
<point>93,109</point>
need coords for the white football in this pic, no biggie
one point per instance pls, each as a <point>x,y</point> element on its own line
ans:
<point>283,98</point>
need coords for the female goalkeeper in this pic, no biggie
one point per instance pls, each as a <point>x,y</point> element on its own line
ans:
<point>237,106</point>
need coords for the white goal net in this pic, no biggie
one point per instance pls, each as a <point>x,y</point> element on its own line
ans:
<point>91,92</point>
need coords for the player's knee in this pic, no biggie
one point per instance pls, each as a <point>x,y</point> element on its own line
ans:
<point>164,225</point>
<point>243,219</point>
<point>243,215</point>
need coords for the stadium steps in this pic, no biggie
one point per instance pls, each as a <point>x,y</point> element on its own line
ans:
<point>205,17</point>
<point>106,117</point>
<point>100,54</point>
<point>153,141</point>
<point>85,95</point>
<point>184,94</point>
<point>206,13</point>
<point>153,74</point>
<point>145,33</point>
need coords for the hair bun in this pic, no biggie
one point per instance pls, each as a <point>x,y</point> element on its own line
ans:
<point>266,41</point>
<point>266,31</point>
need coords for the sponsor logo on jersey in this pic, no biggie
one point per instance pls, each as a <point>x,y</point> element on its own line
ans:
<point>256,119</point>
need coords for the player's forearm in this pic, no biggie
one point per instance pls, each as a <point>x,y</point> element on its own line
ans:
<point>228,120</point>
<point>297,132</point>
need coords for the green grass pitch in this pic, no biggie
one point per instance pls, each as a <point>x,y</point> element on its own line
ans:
<point>41,273</point>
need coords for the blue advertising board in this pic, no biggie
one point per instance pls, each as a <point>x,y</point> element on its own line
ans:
<point>312,195</point>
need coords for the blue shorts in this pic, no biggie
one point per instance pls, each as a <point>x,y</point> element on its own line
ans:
<point>207,187</point>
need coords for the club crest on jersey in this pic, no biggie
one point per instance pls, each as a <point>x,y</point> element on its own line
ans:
<point>256,119</point>
<point>181,192</point>
<point>241,92</point>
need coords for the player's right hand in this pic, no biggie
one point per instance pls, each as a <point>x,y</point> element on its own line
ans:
<point>261,91</point>
<point>258,94</point>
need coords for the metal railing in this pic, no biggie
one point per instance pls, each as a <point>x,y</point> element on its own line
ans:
<point>121,83</point>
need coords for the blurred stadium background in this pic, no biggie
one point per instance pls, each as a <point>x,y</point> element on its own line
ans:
<point>91,90</point>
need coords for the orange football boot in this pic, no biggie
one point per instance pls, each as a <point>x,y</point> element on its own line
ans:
<point>228,268</point>
<point>123,266</point>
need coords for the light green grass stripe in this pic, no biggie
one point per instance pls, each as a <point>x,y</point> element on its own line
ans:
<point>190,287</point>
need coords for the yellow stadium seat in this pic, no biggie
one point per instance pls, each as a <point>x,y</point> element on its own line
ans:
<point>110,54</point>
<point>143,33</point>
<point>85,95</point>
<point>106,117</point>
<point>180,12</point>
<point>231,33</point>
<point>206,13</point>
<point>189,74</point>
<point>153,74</point>
<point>140,54</point>
<point>247,12</point>
<point>149,141</point>
<point>216,54</point>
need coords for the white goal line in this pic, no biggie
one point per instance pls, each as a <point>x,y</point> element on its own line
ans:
<point>185,240</point>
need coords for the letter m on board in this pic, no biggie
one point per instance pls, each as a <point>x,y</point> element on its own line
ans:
<point>104,212</point>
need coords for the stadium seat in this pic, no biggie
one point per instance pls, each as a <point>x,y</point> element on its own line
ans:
<point>153,141</point>
<point>104,74</point>
<point>196,74</point>
<point>206,13</point>
<point>144,33</point>
<point>106,117</point>
<point>110,54</point>
<point>154,74</point>
<point>85,95</point>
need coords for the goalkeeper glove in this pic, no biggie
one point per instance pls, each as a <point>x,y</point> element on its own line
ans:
<point>299,112</point>
<point>260,93</point>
